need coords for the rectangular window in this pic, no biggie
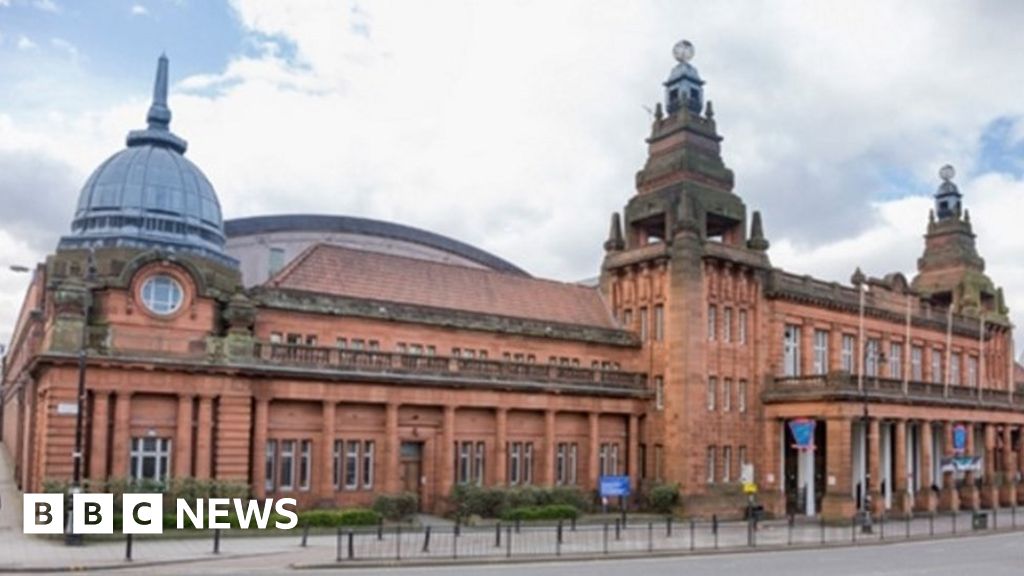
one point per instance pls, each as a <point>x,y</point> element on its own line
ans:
<point>276,260</point>
<point>954,370</point>
<point>479,464</point>
<point>270,466</point>
<point>150,458</point>
<point>416,349</point>
<point>602,460</point>
<point>847,353</point>
<point>627,318</point>
<point>352,465</point>
<point>275,337</point>
<point>339,463</point>
<point>871,350</point>
<point>727,464</point>
<point>659,393</point>
<point>287,474</point>
<point>659,323</point>
<point>463,463</point>
<point>742,455</point>
<point>791,351</point>
<point>514,458</point>
<point>916,367</point>
<point>742,327</point>
<point>742,396</point>
<point>560,456</point>
<point>896,360</point>
<point>937,366</point>
<point>712,321</point>
<point>527,474</point>
<point>305,463</point>
<point>368,465</point>
<point>358,344</point>
<point>712,385</point>
<point>294,339</point>
<point>573,459</point>
<point>972,371</point>
<point>643,324</point>
<point>726,395</point>
<point>727,324</point>
<point>341,343</point>
<point>821,351</point>
<point>710,465</point>
<point>311,340</point>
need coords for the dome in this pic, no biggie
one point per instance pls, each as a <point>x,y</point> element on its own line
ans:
<point>150,195</point>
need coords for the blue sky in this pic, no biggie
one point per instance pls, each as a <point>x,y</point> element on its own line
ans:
<point>519,126</point>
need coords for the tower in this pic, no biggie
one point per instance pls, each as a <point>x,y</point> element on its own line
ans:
<point>681,269</point>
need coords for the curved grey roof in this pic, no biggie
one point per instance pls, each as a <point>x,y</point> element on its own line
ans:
<point>149,194</point>
<point>364,226</point>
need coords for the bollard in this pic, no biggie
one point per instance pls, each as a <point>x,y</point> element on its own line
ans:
<point>559,531</point>
<point>380,528</point>
<point>668,527</point>
<point>605,537</point>
<point>216,541</point>
<point>426,539</point>
<point>624,516</point>
<point>305,535</point>
<point>908,524</point>
<point>789,530</point>
<point>618,530</point>
<point>822,524</point>
<point>398,542</point>
<point>338,556</point>
<point>650,536</point>
<point>558,539</point>
<point>714,528</point>
<point>458,526</point>
<point>995,518</point>
<point>881,526</point>
<point>128,548</point>
<point>351,546</point>
<point>455,542</point>
<point>853,529</point>
<point>692,530</point>
<point>931,524</point>
<point>508,542</point>
<point>497,535</point>
<point>954,522</point>
<point>1013,515</point>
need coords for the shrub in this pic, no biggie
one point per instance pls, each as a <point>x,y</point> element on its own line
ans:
<point>549,512</point>
<point>495,502</point>
<point>663,498</point>
<point>335,518</point>
<point>396,507</point>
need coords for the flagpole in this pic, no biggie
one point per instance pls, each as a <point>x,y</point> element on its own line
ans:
<point>860,340</point>
<point>981,353</point>
<point>906,353</point>
<point>949,348</point>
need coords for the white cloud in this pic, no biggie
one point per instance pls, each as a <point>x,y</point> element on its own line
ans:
<point>139,10</point>
<point>519,127</point>
<point>5,3</point>
<point>25,43</point>
<point>47,6</point>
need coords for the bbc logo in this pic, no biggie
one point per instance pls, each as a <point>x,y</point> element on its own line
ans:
<point>93,513</point>
<point>144,513</point>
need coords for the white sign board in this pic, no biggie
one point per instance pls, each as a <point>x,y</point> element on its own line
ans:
<point>747,474</point>
<point>67,408</point>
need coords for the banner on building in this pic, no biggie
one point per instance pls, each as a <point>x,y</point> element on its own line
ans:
<point>961,464</point>
<point>959,438</point>
<point>803,433</point>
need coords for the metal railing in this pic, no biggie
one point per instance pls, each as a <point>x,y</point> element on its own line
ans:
<point>844,385</point>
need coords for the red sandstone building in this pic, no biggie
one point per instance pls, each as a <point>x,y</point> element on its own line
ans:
<point>333,359</point>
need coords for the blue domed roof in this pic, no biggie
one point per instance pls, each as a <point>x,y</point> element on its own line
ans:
<point>150,195</point>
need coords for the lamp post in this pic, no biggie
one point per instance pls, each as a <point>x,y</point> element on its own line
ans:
<point>71,538</point>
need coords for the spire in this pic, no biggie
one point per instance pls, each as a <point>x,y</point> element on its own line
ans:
<point>158,119</point>
<point>614,243</point>
<point>757,240</point>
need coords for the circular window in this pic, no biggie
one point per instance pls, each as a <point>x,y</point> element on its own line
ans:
<point>162,295</point>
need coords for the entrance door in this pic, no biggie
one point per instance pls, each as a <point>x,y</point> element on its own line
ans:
<point>411,468</point>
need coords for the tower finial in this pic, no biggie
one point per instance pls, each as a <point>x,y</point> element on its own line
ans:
<point>159,116</point>
<point>615,243</point>
<point>757,240</point>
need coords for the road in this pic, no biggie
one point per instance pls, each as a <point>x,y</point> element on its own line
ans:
<point>991,555</point>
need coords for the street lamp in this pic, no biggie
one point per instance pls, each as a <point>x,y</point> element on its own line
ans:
<point>76,456</point>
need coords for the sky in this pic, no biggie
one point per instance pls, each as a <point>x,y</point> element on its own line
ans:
<point>519,126</point>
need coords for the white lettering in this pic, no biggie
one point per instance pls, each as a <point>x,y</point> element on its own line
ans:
<point>251,510</point>
<point>219,508</point>
<point>196,517</point>
<point>279,507</point>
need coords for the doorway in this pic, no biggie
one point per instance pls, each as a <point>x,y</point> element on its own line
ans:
<point>411,469</point>
<point>804,472</point>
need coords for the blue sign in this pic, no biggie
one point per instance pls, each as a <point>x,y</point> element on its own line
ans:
<point>803,433</point>
<point>959,438</point>
<point>614,486</point>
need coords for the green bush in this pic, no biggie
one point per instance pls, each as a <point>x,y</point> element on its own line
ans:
<point>335,518</point>
<point>549,512</point>
<point>495,502</point>
<point>396,507</point>
<point>663,498</point>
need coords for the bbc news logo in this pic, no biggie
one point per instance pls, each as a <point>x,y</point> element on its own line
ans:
<point>144,513</point>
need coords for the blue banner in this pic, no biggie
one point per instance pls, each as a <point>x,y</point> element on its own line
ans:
<point>803,433</point>
<point>959,439</point>
<point>614,486</point>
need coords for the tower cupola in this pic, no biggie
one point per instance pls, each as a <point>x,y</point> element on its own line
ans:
<point>948,197</point>
<point>684,88</point>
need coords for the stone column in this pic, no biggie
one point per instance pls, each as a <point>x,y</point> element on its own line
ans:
<point>447,454</point>
<point>500,446</point>
<point>325,486</point>
<point>634,452</point>
<point>100,426</point>
<point>771,483</point>
<point>548,469</point>
<point>990,487</point>
<point>838,502</point>
<point>949,497</point>
<point>393,448</point>
<point>593,445</point>
<point>183,438</point>
<point>1008,489</point>
<point>900,487</point>
<point>259,448</point>
<point>874,466</point>
<point>926,501</point>
<point>204,438</point>
<point>970,497</point>
<point>122,436</point>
